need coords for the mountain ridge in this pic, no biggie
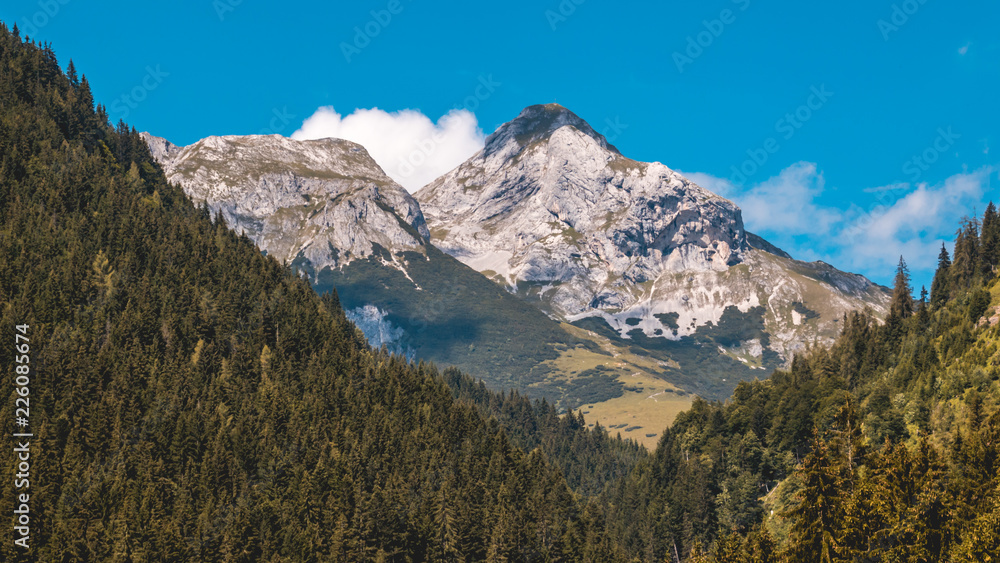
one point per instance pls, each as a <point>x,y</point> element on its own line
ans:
<point>608,258</point>
<point>352,238</point>
<point>554,213</point>
<point>323,200</point>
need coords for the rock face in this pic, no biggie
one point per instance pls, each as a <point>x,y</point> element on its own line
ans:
<point>548,202</point>
<point>324,201</point>
<point>555,213</point>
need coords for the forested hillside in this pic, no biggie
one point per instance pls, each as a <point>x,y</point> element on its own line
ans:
<point>884,448</point>
<point>193,400</point>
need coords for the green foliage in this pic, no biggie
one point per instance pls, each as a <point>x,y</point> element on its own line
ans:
<point>901,305</point>
<point>941,286</point>
<point>590,460</point>
<point>882,448</point>
<point>193,400</point>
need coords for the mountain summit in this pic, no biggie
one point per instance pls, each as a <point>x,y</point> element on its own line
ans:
<point>537,122</point>
<point>556,214</point>
<point>549,201</point>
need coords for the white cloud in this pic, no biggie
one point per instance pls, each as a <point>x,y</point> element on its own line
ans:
<point>412,149</point>
<point>964,49</point>
<point>784,204</point>
<point>902,219</point>
<point>914,225</point>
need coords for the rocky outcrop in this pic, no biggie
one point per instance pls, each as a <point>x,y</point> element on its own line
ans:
<point>325,201</point>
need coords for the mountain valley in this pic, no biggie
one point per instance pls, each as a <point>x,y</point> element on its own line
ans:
<point>631,288</point>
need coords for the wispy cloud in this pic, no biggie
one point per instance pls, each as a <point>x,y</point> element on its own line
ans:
<point>964,49</point>
<point>910,220</point>
<point>412,149</point>
<point>782,206</point>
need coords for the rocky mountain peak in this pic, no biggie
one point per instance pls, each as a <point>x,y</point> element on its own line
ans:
<point>321,203</point>
<point>554,213</point>
<point>549,202</point>
<point>536,124</point>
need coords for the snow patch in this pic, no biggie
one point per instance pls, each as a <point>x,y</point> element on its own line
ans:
<point>796,318</point>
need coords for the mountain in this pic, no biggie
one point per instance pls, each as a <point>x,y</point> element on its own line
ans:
<point>634,251</point>
<point>329,210</point>
<point>630,287</point>
<point>324,201</point>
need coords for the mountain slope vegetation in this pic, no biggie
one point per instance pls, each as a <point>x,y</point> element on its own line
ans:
<point>636,253</point>
<point>329,210</point>
<point>885,447</point>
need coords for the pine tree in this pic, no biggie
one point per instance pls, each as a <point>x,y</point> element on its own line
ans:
<point>74,80</point>
<point>815,523</point>
<point>922,312</point>
<point>941,286</point>
<point>761,546</point>
<point>989,241</point>
<point>901,306</point>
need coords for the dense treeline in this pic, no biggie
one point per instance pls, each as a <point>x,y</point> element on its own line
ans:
<point>193,400</point>
<point>589,459</point>
<point>885,447</point>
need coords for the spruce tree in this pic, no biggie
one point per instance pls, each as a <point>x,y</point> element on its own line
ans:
<point>815,520</point>
<point>941,286</point>
<point>922,312</point>
<point>74,80</point>
<point>989,241</point>
<point>902,297</point>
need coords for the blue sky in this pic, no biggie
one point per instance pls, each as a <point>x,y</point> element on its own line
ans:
<point>849,132</point>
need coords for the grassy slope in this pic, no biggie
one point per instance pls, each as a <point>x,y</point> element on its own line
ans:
<point>460,318</point>
<point>694,363</point>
